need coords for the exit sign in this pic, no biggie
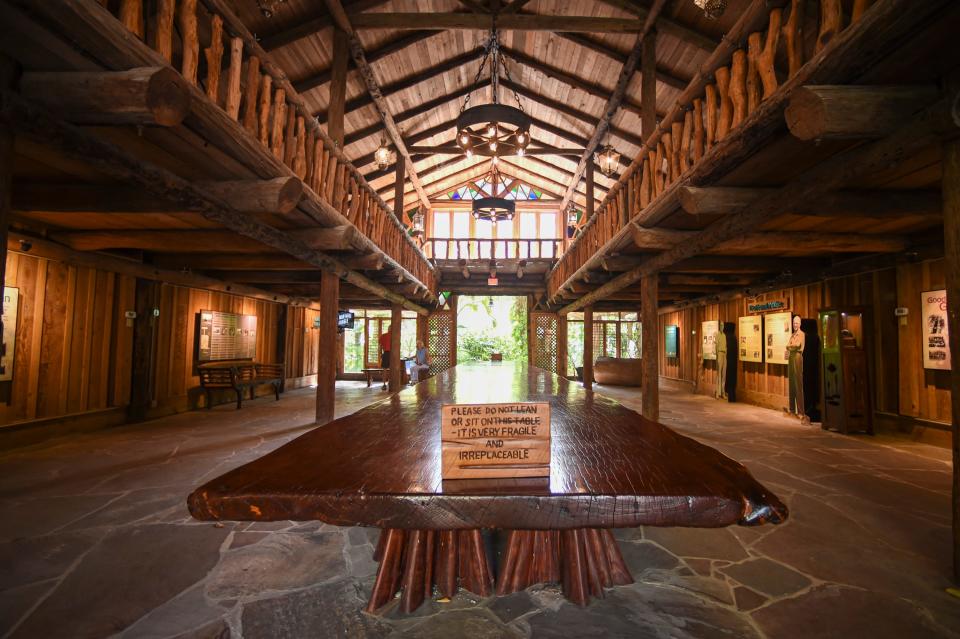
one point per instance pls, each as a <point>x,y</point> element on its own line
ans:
<point>492,281</point>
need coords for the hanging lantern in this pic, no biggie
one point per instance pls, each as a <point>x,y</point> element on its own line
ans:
<point>495,129</point>
<point>494,209</point>
<point>417,219</point>
<point>608,160</point>
<point>382,155</point>
<point>713,9</point>
<point>572,215</point>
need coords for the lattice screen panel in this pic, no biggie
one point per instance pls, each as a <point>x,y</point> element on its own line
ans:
<point>543,347</point>
<point>440,341</point>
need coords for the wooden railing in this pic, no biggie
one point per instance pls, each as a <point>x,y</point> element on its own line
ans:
<point>240,79</point>
<point>441,248</point>
<point>705,114</point>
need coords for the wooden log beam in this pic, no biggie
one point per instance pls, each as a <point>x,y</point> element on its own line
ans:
<point>588,348</point>
<point>33,122</point>
<point>922,131</point>
<point>453,149</point>
<point>179,276</point>
<point>279,195</point>
<point>877,204</point>
<point>650,348</point>
<point>614,101</point>
<point>144,96</point>
<point>507,22</point>
<point>854,112</point>
<point>373,87</point>
<point>305,28</point>
<point>327,355</point>
<point>667,25</point>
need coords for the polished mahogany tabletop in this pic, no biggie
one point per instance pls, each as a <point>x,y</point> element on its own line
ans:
<point>380,466</point>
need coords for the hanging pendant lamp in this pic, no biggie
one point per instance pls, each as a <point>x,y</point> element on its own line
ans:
<point>494,208</point>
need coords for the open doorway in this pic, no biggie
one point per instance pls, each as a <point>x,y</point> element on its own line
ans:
<point>488,324</point>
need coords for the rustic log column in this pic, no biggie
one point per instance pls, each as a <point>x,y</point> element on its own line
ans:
<point>588,175</point>
<point>588,348</point>
<point>648,85</point>
<point>396,366</point>
<point>8,72</point>
<point>422,328</point>
<point>327,351</point>
<point>650,351</point>
<point>146,298</point>
<point>951,248</point>
<point>562,345</point>
<point>454,298</point>
<point>399,187</point>
<point>338,86</point>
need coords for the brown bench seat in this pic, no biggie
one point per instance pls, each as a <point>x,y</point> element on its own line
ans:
<point>238,377</point>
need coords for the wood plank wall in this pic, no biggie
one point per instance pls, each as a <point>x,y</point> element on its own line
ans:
<point>302,342</point>
<point>901,385</point>
<point>73,346</point>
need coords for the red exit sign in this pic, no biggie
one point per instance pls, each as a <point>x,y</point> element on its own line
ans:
<point>492,281</point>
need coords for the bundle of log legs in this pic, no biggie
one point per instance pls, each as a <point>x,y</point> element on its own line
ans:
<point>584,561</point>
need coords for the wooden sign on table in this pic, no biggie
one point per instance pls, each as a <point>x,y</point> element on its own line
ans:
<point>482,441</point>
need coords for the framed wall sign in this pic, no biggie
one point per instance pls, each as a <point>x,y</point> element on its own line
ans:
<point>11,304</point>
<point>777,328</point>
<point>225,336</point>
<point>767,306</point>
<point>750,338</point>
<point>935,330</point>
<point>671,339</point>
<point>708,339</point>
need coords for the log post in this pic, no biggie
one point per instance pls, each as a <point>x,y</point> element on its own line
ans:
<point>232,99</point>
<point>650,351</point>
<point>648,85</point>
<point>396,366</point>
<point>327,355</point>
<point>562,345</point>
<point>214,54</point>
<point>164,29</point>
<point>588,348</point>
<point>149,95</point>
<point>398,188</point>
<point>146,298</point>
<point>951,247</point>
<point>793,36</point>
<point>250,95</point>
<point>191,42</point>
<point>338,86</point>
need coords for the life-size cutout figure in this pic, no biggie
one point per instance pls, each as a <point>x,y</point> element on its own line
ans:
<point>730,333</point>
<point>795,348</point>
<point>721,341</point>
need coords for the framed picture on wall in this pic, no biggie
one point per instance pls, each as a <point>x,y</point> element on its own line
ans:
<point>11,304</point>
<point>671,339</point>
<point>935,330</point>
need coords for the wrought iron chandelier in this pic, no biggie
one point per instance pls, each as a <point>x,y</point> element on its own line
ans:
<point>493,208</point>
<point>608,159</point>
<point>713,9</point>
<point>493,130</point>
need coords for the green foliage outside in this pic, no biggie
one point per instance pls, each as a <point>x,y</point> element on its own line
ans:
<point>487,324</point>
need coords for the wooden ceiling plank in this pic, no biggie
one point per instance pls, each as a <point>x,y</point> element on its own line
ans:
<point>662,74</point>
<point>615,100</point>
<point>667,25</point>
<point>373,87</point>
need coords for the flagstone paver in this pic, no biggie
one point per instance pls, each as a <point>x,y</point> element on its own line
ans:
<point>96,541</point>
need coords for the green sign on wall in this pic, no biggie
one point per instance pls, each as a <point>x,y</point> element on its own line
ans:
<point>671,339</point>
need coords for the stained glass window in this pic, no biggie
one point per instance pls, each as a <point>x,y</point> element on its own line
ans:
<point>509,188</point>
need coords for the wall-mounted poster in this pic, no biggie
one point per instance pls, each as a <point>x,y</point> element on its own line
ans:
<point>225,336</point>
<point>750,338</point>
<point>671,340</point>
<point>11,299</point>
<point>777,329</point>
<point>936,338</point>
<point>708,339</point>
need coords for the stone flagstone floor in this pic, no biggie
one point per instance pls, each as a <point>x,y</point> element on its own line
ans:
<point>96,541</point>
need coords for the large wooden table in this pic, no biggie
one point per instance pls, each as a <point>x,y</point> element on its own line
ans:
<point>380,466</point>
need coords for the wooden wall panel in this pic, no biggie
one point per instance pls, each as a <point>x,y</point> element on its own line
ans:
<point>72,342</point>
<point>301,343</point>
<point>900,385</point>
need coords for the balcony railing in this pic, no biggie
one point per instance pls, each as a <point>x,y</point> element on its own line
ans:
<point>246,87</point>
<point>445,248</point>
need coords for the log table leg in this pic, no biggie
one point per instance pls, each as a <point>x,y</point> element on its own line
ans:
<point>583,560</point>
<point>414,561</point>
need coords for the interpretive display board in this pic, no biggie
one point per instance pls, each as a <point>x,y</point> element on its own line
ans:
<point>936,336</point>
<point>225,336</point>
<point>750,338</point>
<point>671,333</point>
<point>777,328</point>
<point>708,339</point>
<point>11,304</point>
<point>483,441</point>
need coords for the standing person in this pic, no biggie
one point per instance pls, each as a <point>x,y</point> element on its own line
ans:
<point>421,364</point>
<point>385,350</point>
<point>795,348</point>
<point>721,341</point>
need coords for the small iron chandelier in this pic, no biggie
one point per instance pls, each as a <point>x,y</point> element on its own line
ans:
<point>493,208</point>
<point>713,9</point>
<point>493,130</point>
<point>608,160</point>
<point>382,155</point>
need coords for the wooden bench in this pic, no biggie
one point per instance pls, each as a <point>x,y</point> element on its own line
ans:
<point>238,377</point>
<point>369,372</point>
<point>381,466</point>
